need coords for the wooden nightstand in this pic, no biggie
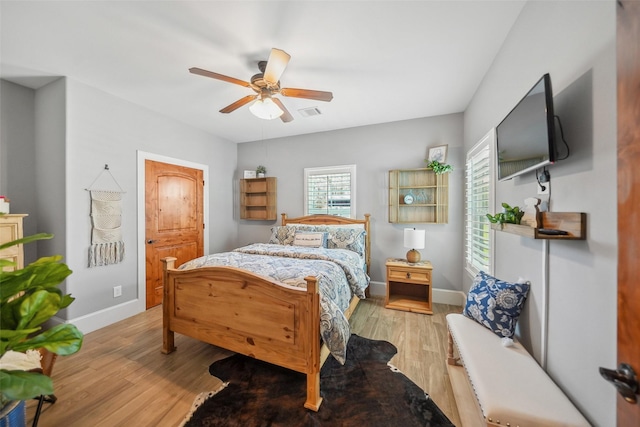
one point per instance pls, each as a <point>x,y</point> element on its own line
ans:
<point>409,286</point>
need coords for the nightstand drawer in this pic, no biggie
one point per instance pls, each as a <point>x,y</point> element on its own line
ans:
<point>421,275</point>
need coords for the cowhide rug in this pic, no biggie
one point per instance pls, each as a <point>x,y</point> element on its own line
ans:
<point>366,391</point>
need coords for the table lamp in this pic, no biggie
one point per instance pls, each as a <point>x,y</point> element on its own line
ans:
<point>413,239</point>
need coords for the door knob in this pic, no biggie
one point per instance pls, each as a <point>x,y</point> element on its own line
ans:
<point>150,241</point>
<point>624,379</point>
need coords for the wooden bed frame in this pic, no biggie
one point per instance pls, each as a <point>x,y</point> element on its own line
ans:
<point>226,307</point>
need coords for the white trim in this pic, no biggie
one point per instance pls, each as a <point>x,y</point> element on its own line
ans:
<point>105,317</point>
<point>447,296</point>
<point>142,156</point>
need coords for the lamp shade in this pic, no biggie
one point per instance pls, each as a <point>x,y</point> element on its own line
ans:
<point>414,239</point>
<point>266,109</point>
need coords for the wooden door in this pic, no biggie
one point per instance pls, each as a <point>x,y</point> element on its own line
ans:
<point>628,52</point>
<point>174,220</point>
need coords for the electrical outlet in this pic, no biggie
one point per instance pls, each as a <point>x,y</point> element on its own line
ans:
<point>117,291</point>
<point>546,188</point>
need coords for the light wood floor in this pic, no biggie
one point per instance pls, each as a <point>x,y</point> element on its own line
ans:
<point>120,377</point>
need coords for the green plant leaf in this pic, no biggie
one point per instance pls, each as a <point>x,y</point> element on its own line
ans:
<point>37,308</point>
<point>62,339</point>
<point>21,385</point>
<point>9,337</point>
<point>47,272</point>
<point>28,239</point>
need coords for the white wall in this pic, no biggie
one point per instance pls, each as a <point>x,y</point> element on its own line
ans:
<point>375,150</point>
<point>575,43</point>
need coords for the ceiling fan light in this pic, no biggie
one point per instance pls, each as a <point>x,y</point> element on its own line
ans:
<point>265,109</point>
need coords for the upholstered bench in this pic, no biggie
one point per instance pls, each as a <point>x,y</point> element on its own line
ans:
<point>509,388</point>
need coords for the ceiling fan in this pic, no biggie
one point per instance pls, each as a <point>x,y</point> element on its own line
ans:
<point>266,84</point>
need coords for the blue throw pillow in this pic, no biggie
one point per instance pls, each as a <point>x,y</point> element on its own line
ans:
<point>496,304</point>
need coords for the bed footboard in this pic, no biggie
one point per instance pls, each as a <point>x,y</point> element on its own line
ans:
<point>248,314</point>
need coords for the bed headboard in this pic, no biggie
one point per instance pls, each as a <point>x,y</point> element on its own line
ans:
<point>336,220</point>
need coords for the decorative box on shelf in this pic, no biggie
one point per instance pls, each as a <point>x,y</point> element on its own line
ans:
<point>4,205</point>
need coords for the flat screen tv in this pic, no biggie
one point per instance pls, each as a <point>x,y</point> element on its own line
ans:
<point>525,139</point>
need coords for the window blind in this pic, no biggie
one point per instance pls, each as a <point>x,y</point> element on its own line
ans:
<point>329,191</point>
<point>478,197</point>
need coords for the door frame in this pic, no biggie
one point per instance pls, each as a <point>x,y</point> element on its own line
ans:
<point>141,301</point>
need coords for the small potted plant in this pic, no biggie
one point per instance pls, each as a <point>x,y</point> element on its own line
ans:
<point>439,168</point>
<point>511,215</point>
<point>261,171</point>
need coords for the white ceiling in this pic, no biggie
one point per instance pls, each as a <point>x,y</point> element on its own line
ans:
<point>383,60</point>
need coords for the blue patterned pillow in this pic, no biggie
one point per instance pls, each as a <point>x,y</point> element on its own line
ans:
<point>496,304</point>
<point>347,238</point>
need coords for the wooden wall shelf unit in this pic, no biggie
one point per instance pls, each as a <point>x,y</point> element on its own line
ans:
<point>428,200</point>
<point>258,199</point>
<point>574,223</point>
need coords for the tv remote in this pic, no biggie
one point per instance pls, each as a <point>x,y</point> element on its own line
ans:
<point>552,232</point>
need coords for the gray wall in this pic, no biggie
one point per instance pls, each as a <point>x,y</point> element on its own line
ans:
<point>79,129</point>
<point>374,150</point>
<point>17,181</point>
<point>575,43</point>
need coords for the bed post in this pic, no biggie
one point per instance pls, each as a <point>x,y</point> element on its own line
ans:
<point>168,346</point>
<point>312,328</point>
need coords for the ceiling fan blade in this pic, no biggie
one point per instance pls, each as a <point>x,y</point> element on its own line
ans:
<point>239,103</point>
<point>277,62</point>
<point>286,115</point>
<point>217,76</point>
<point>308,94</point>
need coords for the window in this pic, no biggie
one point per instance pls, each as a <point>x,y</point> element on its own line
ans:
<point>330,190</point>
<point>479,201</point>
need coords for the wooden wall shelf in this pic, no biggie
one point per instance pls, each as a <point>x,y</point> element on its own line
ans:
<point>258,199</point>
<point>574,223</point>
<point>429,196</point>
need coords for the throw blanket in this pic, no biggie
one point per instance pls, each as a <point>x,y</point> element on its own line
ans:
<point>339,276</point>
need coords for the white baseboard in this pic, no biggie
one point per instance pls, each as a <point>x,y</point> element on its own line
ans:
<point>94,321</point>
<point>440,296</point>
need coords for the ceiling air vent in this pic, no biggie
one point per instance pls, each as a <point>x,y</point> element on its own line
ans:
<point>308,112</point>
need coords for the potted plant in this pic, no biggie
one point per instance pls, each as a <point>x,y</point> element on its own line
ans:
<point>261,171</point>
<point>510,215</point>
<point>28,298</point>
<point>439,168</point>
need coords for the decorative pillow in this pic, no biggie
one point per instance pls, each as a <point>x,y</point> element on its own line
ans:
<point>310,239</point>
<point>347,238</point>
<point>282,235</point>
<point>496,304</point>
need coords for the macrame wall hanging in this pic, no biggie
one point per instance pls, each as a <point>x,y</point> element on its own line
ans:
<point>107,246</point>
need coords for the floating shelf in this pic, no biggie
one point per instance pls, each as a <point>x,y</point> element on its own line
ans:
<point>574,223</point>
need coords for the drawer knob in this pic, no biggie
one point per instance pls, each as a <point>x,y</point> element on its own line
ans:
<point>408,275</point>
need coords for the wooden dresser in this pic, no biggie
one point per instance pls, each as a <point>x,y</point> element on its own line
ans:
<point>11,229</point>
